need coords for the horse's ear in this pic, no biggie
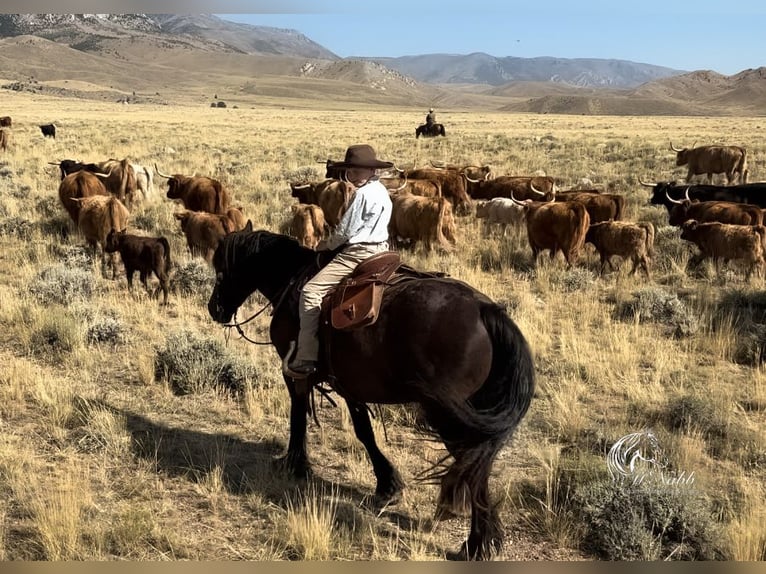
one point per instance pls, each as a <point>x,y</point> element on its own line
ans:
<point>248,226</point>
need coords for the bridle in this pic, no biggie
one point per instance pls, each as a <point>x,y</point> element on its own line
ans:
<point>238,325</point>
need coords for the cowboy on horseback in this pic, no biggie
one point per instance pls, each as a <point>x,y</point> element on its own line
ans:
<point>430,118</point>
<point>362,231</point>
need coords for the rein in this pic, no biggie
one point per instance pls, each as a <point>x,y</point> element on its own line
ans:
<point>238,325</point>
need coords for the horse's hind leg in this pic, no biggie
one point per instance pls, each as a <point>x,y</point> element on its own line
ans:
<point>390,483</point>
<point>471,469</point>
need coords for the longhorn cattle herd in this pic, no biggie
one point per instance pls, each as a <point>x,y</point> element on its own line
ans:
<point>725,222</point>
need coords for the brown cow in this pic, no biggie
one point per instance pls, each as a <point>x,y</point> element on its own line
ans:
<point>557,226</point>
<point>78,185</point>
<point>99,215</point>
<point>422,219</point>
<point>307,224</point>
<point>623,238</point>
<point>472,172</point>
<point>332,195</point>
<point>119,179</point>
<point>600,206</point>
<point>204,231</point>
<point>726,241</point>
<point>521,187</point>
<point>4,138</point>
<point>708,211</point>
<point>5,121</point>
<point>424,187</point>
<point>146,255</point>
<point>197,193</point>
<point>709,159</point>
<point>453,185</point>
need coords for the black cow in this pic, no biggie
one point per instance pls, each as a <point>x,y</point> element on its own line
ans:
<point>68,166</point>
<point>6,122</point>
<point>49,130</point>
<point>754,193</point>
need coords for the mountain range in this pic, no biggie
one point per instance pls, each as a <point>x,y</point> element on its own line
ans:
<point>171,57</point>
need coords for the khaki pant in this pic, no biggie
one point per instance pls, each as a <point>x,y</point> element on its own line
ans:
<point>319,285</point>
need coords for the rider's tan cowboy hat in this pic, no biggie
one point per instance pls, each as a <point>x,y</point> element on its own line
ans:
<point>361,155</point>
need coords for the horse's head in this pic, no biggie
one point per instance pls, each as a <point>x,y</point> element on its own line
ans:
<point>246,261</point>
<point>231,289</point>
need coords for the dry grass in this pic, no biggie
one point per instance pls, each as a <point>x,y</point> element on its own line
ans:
<point>101,460</point>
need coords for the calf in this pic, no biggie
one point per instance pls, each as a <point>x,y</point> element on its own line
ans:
<point>146,255</point>
<point>726,241</point>
<point>204,231</point>
<point>99,215</point>
<point>499,210</point>
<point>307,224</point>
<point>623,238</point>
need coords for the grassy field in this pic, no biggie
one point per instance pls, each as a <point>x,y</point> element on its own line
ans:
<point>115,443</point>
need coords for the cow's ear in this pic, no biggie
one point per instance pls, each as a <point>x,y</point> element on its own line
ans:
<point>248,226</point>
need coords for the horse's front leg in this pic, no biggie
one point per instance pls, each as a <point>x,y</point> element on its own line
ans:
<point>296,460</point>
<point>390,483</point>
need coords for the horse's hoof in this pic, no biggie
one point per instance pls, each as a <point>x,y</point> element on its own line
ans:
<point>458,555</point>
<point>299,469</point>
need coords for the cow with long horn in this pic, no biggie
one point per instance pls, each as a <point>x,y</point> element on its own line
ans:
<point>197,193</point>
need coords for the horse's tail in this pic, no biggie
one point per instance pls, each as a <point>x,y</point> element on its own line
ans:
<point>475,430</point>
<point>495,410</point>
<point>502,401</point>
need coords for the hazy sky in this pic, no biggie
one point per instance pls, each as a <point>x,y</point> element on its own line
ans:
<point>726,37</point>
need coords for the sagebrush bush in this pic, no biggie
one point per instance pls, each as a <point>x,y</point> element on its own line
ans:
<point>57,333</point>
<point>195,277</point>
<point>62,284</point>
<point>105,328</point>
<point>16,227</point>
<point>648,521</point>
<point>190,362</point>
<point>654,304</point>
<point>571,280</point>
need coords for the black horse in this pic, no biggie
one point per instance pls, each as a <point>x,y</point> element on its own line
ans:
<point>437,342</point>
<point>430,131</point>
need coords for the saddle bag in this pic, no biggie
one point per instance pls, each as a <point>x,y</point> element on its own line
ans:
<point>356,301</point>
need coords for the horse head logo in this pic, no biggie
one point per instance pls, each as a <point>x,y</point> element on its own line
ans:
<point>635,456</point>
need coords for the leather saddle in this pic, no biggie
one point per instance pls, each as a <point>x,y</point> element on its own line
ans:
<point>355,302</point>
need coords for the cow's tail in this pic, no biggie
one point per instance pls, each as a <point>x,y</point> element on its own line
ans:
<point>219,206</point>
<point>647,225</point>
<point>317,221</point>
<point>742,166</point>
<point>440,238</point>
<point>582,223</point>
<point>619,207</point>
<point>760,230</point>
<point>166,246</point>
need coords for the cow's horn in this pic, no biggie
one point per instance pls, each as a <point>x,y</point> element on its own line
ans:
<point>439,165</point>
<point>674,148</point>
<point>401,187</point>
<point>537,191</point>
<point>54,163</point>
<point>671,199</point>
<point>646,183</point>
<point>516,201</point>
<point>397,169</point>
<point>160,173</point>
<point>297,186</point>
<point>686,193</point>
<point>104,175</point>
<point>465,175</point>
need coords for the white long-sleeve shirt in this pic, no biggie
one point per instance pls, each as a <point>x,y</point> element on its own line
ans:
<point>366,219</point>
